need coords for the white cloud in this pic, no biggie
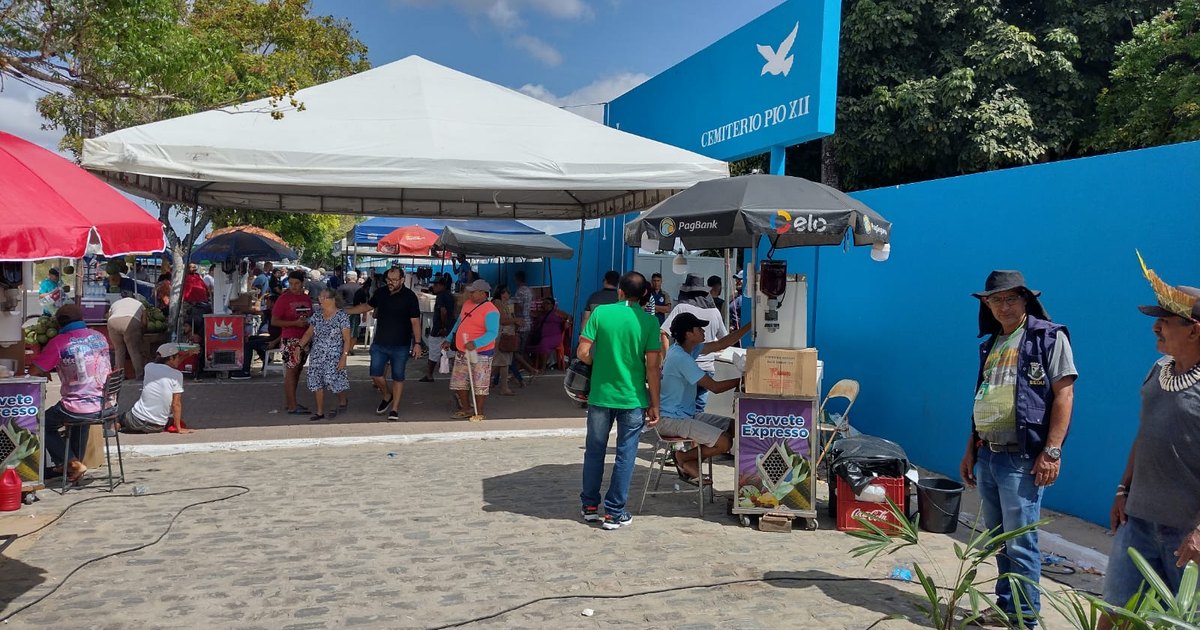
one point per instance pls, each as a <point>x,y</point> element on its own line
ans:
<point>588,101</point>
<point>506,14</point>
<point>19,116</point>
<point>539,49</point>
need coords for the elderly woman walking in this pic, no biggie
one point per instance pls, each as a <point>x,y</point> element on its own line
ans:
<point>474,336</point>
<point>329,334</point>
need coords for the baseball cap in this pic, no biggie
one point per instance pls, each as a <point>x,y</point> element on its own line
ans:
<point>684,322</point>
<point>169,350</point>
<point>479,285</point>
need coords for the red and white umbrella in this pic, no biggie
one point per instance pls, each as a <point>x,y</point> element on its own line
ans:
<point>49,208</point>
<point>411,240</point>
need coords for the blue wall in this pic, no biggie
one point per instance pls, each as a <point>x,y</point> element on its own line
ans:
<point>906,329</point>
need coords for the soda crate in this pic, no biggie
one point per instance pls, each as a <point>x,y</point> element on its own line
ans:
<point>849,509</point>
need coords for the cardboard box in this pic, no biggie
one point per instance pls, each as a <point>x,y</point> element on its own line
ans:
<point>781,372</point>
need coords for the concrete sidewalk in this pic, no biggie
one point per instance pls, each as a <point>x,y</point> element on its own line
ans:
<point>425,534</point>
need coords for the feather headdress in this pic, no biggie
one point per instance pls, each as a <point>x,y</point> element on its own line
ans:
<point>1170,298</point>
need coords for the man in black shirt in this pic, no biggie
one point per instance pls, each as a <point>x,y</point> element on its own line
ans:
<point>443,319</point>
<point>607,295</point>
<point>714,289</point>
<point>397,337</point>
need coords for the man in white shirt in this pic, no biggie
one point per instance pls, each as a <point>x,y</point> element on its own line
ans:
<point>162,395</point>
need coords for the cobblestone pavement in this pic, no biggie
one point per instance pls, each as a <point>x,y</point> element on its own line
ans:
<point>419,536</point>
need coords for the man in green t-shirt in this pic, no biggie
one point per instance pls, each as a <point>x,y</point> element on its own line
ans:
<point>621,343</point>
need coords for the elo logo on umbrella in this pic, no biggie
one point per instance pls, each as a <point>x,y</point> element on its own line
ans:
<point>666,227</point>
<point>782,221</point>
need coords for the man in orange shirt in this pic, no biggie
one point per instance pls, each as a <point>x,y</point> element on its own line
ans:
<point>475,334</point>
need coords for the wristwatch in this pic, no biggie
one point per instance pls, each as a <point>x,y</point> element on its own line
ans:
<point>1053,453</point>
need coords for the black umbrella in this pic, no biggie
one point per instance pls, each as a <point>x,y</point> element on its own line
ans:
<point>735,212</point>
<point>237,245</point>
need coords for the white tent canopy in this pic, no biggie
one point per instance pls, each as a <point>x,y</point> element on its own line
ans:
<point>408,138</point>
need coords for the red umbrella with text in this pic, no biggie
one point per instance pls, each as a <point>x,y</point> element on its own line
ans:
<point>50,207</point>
<point>410,240</point>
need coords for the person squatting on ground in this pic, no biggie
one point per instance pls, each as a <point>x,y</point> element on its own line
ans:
<point>81,357</point>
<point>439,326</point>
<point>161,400</point>
<point>290,313</point>
<point>621,343</point>
<point>126,321</point>
<point>397,314</point>
<point>694,298</point>
<point>1023,399</point>
<point>681,377</point>
<point>328,337</point>
<point>475,334</point>
<point>1157,505</point>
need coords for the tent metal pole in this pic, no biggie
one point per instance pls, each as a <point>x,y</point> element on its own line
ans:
<point>578,267</point>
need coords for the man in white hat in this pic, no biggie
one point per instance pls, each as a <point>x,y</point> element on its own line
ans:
<point>161,401</point>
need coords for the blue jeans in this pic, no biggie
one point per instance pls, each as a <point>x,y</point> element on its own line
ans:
<point>1157,543</point>
<point>56,445</point>
<point>629,428</point>
<point>702,394</point>
<point>1012,500</point>
<point>381,355</point>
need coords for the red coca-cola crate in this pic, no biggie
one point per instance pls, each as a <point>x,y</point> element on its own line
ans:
<point>849,509</point>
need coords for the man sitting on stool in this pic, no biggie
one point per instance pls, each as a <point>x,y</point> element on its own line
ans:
<point>162,395</point>
<point>680,379</point>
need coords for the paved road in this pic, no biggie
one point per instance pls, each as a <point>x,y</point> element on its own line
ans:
<point>439,533</point>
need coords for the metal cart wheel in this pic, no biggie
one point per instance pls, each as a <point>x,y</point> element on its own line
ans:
<point>745,520</point>
<point>810,524</point>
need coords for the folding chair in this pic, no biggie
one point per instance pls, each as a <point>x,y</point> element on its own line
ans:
<point>664,447</point>
<point>109,414</point>
<point>846,389</point>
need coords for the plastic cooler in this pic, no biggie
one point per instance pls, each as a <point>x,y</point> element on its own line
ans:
<point>849,508</point>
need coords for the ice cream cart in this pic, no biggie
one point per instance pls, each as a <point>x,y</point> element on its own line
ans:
<point>773,454</point>
<point>22,428</point>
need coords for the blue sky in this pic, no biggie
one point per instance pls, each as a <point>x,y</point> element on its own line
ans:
<point>566,52</point>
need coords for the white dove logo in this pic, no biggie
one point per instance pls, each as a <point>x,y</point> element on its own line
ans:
<point>779,61</point>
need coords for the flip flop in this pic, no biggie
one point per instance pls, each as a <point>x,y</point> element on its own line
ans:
<point>683,475</point>
<point>300,410</point>
<point>316,416</point>
<point>461,414</point>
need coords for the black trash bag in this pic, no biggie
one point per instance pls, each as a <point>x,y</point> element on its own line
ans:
<point>859,459</point>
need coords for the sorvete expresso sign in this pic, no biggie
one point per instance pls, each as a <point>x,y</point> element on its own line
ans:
<point>772,82</point>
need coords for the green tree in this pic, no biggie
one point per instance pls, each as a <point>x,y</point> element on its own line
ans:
<point>120,63</point>
<point>1155,93</point>
<point>311,235</point>
<point>936,88</point>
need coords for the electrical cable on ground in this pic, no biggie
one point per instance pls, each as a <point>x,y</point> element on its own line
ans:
<point>242,490</point>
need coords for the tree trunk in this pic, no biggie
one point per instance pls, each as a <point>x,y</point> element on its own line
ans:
<point>829,167</point>
<point>179,254</point>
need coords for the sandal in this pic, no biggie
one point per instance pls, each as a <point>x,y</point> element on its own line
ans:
<point>683,475</point>
<point>316,416</point>
<point>300,410</point>
<point>332,413</point>
<point>461,414</point>
<point>75,470</point>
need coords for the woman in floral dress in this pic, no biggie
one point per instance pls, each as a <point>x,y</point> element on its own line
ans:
<point>329,334</point>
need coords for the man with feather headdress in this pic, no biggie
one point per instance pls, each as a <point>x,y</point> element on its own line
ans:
<point>1157,505</point>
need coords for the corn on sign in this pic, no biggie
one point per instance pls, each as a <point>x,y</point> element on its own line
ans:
<point>21,429</point>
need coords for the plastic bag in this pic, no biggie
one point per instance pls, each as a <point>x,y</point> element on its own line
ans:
<point>444,364</point>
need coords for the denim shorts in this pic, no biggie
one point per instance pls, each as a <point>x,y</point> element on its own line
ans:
<point>397,355</point>
<point>1157,543</point>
